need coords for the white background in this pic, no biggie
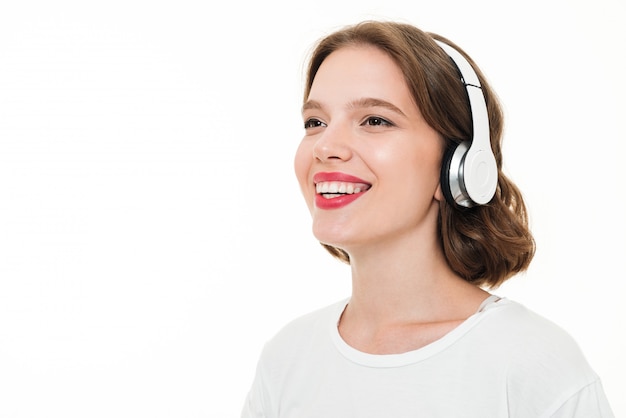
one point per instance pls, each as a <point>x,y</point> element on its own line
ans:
<point>152,234</point>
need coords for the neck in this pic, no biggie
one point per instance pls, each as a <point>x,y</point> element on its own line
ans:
<point>408,280</point>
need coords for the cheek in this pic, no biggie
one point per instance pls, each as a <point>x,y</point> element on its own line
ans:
<point>302,166</point>
<point>412,171</point>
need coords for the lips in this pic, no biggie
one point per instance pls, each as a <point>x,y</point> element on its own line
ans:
<point>336,190</point>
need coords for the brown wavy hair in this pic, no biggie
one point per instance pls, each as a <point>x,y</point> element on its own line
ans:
<point>487,244</point>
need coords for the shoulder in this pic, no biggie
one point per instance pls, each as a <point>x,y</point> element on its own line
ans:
<point>510,336</point>
<point>527,336</point>
<point>541,360</point>
<point>303,334</point>
<point>521,327</point>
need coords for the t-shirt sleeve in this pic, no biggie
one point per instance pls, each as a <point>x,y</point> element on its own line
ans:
<point>253,405</point>
<point>588,402</point>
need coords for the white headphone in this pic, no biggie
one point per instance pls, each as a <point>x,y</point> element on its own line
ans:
<point>469,174</point>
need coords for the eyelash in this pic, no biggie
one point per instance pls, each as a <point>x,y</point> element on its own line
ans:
<point>370,121</point>
<point>313,123</point>
<point>378,121</point>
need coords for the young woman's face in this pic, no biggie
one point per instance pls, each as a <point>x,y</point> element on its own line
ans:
<point>368,165</point>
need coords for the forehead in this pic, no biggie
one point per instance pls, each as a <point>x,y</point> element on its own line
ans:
<point>358,67</point>
<point>361,74</point>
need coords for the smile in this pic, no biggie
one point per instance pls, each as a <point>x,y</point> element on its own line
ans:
<point>336,190</point>
<point>331,189</point>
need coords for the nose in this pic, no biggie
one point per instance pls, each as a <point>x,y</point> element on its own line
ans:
<point>333,144</point>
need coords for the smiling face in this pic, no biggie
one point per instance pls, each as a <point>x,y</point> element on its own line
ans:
<point>368,165</point>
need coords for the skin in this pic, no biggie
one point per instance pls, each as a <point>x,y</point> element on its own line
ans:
<point>360,119</point>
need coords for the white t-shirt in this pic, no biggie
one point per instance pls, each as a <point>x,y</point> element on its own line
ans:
<point>503,361</point>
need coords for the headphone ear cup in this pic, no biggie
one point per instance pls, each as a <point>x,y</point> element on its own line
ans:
<point>445,174</point>
<point>480,176</point>
<point>452,182</point>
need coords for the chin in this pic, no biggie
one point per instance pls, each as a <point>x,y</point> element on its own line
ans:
<point>334,238</point>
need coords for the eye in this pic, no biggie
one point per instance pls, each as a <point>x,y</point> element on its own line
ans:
<point>313,123</point>
<point>377,121</point>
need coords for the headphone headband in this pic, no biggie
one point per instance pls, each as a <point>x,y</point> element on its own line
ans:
<point>470,175</point>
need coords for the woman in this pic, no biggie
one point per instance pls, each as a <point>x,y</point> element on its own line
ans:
<point>400,167</point>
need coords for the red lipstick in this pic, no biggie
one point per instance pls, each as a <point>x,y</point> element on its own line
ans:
<point>329,199</point>
<point>323,176</point>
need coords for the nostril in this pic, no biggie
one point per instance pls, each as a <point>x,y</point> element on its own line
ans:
<point>327,150</point>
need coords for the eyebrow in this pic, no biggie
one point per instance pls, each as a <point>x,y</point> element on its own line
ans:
<point>311,104</point>
<point>372,102</point>
<point>358,104</point>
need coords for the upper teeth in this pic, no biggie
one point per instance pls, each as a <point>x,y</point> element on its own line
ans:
<point>339,187</point>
